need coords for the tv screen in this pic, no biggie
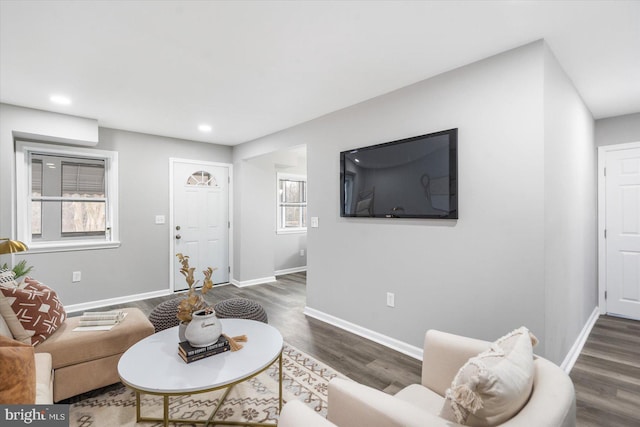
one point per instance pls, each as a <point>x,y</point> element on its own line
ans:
<point>409,178</point>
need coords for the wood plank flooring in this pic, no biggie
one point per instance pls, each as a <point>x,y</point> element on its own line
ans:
<point>284,300</point>
<point>606,375</point>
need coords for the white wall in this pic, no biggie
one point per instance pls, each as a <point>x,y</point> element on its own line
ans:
<point>569,212</point>
<point>140,264</point>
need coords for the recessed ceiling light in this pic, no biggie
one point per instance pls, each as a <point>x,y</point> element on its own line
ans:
<point>205,128</point>
<point>60,99</point>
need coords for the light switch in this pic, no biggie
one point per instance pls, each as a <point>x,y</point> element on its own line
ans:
<point>159,219</point>
<point>314,222</point>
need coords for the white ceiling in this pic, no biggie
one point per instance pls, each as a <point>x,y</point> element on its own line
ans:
<point>251,68</point>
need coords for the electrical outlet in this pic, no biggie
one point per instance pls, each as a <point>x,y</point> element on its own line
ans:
<point>301,252</point>
<point>391,299</point>
<point>77,276</point>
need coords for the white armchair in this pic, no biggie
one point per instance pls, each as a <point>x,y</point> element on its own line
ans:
<point>551,404</point>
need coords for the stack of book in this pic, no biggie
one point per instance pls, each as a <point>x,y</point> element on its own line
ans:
<point>189,353</point>
<point>105,319</point>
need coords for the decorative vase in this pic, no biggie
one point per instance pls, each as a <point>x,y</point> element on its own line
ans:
<point>204,328</point>
<point>182,328</point>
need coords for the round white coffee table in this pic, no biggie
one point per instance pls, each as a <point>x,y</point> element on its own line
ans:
<point>153,366</point>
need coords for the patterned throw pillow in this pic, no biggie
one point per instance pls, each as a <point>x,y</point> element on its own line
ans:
<point>7,278</point>
<point>37,308</point>
<point>493,386</point>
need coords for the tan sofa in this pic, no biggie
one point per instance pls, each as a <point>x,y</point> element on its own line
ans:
<point>551,403</point>
<point>44,379</point>
<point>84,360</point>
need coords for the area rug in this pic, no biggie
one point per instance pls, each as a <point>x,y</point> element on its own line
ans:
<point>255,400</point>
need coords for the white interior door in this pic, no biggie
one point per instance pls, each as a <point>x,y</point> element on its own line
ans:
<point>200,219</point>
<point>622,183</point>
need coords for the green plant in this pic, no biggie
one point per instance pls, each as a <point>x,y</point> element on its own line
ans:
<point>20,269</point>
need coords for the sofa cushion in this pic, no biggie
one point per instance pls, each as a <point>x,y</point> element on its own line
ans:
<point>44,379</point>
<point>38,309</point>
<point>493,386</point>
<point>69,347</point>
<point>13,323</point>
<point>4,328</point>
<point>18,373</point>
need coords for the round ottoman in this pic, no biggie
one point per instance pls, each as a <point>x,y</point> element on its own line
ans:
<point>240,308</point>
<point>164,315</point>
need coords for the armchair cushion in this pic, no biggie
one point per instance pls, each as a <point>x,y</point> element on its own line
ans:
<point>356,405</point>
<point>296,414</point>
<point>493,386</point>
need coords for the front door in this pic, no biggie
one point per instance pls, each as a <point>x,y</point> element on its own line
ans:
<point>200,219</point>
<point>622,214</point>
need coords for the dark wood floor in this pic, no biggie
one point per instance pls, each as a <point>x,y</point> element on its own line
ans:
<point>284,300</point>
<point>606,375</point>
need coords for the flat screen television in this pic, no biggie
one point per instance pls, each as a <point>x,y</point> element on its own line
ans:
<point>410,178</point>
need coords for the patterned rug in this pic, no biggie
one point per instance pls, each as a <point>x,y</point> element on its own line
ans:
<point>255,400</point>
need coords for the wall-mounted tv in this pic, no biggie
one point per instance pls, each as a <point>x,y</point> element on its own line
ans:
<point>410,178</point>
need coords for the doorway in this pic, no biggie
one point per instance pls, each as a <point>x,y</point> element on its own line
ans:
<point>619,229</point>
<point>200,225</point>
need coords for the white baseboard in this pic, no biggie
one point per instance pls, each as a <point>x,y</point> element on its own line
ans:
<point>242,284</point>
<point>112,301</point>
<point>290,270</point>
<point>385,340</point>
<point>574,352</point>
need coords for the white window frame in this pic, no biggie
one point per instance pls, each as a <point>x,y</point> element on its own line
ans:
<point>24,149</point>
<point>287,176</point>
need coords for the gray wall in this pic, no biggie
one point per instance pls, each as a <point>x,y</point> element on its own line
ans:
<point>618,130</point>
<point>259,251</point>
<point>483,274</point>
<point>570,208</point>
<point>140,264</point>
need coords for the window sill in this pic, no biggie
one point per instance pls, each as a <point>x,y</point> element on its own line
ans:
<point>36,248</point>
<point>292,231</point>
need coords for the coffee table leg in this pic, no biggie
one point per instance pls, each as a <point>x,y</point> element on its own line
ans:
<point>280,383</point>
<point>166,411</point>
<point>218,406</point>
<point>137,406</point>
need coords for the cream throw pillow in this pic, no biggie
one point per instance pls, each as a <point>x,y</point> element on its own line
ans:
<point>493,386</point>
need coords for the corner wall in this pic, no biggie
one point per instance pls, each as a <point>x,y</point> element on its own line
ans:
<point>570,227</point>
<point>510,259</point>
<point>481,275</point>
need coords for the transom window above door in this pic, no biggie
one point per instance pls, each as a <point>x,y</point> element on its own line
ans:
<point>202,179</point>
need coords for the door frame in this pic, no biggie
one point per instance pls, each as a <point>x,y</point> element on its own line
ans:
<point>172,255</point>
<point>602,219</point>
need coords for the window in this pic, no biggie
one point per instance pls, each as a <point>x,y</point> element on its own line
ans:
<point>292,203</point>
<point>66,197</point>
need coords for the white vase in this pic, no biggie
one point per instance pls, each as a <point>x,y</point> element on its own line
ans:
<point>204,328</point>
<point>182,327</point>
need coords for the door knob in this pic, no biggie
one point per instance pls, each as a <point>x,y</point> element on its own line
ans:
<point>178,237</point>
